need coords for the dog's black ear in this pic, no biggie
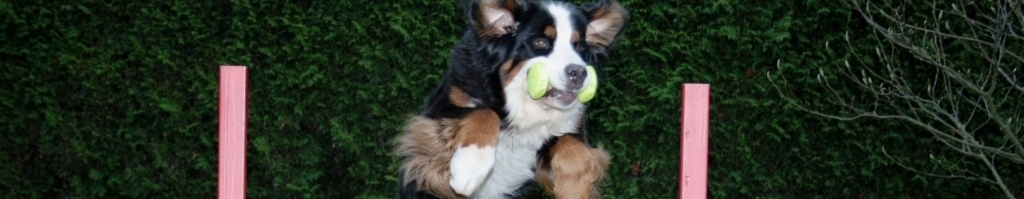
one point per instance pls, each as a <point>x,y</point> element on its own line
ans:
<point>491,18</point>
<point>607,20</point>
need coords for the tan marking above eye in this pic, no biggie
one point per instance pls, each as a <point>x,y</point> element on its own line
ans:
<point>550,32</point>
<point>576,44</point>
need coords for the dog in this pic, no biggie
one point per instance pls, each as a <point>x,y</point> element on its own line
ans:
<point>488,129</point>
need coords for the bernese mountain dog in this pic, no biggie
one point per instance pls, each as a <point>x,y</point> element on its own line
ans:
<point>509,110</point>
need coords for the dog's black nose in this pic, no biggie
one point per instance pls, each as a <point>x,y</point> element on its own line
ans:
<point>576,73</point>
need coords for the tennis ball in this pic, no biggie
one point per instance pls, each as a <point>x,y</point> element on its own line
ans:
<point>537,81</point>
<point>588,92</point>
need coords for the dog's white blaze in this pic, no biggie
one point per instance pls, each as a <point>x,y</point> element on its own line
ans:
<point>470,167</point>
<point>563,53</point>
<point>532,121</point>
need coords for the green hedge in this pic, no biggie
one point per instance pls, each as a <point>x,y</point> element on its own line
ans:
<point>118,99</point>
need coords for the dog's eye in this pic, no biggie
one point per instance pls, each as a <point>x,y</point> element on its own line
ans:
<point>541,44</point>
<point>578,46</point>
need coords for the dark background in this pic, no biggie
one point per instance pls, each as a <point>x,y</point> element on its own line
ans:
<point>118,99</point>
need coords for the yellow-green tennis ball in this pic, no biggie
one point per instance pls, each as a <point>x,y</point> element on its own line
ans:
<point>588,92</point>
<point>537,81</point>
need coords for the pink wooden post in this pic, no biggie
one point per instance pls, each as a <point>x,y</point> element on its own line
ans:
<point>693,143</point>
<point>231,152</point>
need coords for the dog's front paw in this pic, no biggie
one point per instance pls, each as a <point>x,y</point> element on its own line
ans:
<point>470,167</point>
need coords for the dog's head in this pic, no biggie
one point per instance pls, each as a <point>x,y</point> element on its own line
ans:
<point>563,37</point>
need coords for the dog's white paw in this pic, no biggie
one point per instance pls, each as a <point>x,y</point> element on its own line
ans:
<point>470,167</point>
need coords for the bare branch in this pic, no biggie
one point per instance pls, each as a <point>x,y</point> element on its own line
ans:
<point>897,162</point>
<point>976,90</point>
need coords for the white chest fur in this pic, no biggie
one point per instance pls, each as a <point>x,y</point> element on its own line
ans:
<point>515,157</point>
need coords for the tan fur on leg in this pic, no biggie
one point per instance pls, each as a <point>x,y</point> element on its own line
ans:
<point>575,170</point>
<point>427,147</point>
<point>474,158</point>
<point>479,128</point>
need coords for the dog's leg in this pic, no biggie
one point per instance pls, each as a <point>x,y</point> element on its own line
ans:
<point>572,170</point>
<point>473,159</point>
